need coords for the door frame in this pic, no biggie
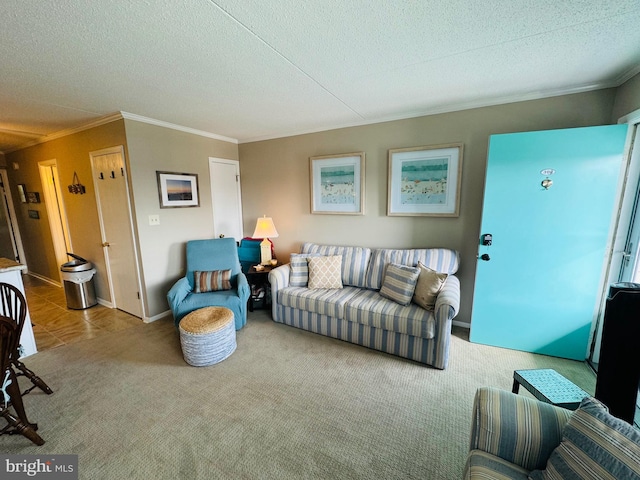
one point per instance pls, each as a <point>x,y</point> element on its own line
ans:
<point>56,211</point>
<point>10,212</point>
<point>113,304</point>
<point>614,262</point>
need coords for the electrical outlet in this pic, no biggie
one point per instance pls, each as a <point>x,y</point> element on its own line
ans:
<point>154,219</point>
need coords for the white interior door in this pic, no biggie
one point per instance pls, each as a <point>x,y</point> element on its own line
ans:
<point>116,225</point>
<point>55,210</point>
<point>226,197</point>
<point>10,241</point>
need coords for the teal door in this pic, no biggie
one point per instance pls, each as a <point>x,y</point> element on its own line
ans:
<point>537,291</point>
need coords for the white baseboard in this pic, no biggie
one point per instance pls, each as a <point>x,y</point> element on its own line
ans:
<point>105,303</point>
<point>164,314</point>
<point>461,324</point>
<point>44,279</point>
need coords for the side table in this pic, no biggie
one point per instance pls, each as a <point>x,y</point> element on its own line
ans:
<point>260,286</point>
<point>549,386</point>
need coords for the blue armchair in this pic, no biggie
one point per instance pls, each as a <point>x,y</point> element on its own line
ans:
<point>205,256</point>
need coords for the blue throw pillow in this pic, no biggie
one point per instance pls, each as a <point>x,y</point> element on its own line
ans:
<point>299,273</point>
<point>399,283</point>
<point>595,444</point>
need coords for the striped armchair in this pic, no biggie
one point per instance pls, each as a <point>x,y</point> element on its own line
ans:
<point>359,312</point>
<point>517,437</point>
<point>511,435</point>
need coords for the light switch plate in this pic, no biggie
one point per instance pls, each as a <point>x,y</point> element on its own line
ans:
<point>154,219</point>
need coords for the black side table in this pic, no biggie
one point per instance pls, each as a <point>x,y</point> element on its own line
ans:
<point>260,286</point>
<point>549,386</point>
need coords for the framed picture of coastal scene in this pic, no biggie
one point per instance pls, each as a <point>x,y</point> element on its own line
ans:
<point>337,184</point>
<point>178,189</point>
<point>425,181</point>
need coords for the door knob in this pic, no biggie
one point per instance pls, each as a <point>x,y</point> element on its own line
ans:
<point>106,244</point>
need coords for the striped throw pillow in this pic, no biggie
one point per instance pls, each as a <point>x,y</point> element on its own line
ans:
<point>211,281</point>
<point>595,444</point>
<point>299,269</point>
<point>399,283</point>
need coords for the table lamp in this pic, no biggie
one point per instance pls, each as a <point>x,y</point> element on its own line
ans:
<point>265,229</point>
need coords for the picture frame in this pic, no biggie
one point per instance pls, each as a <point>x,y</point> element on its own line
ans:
<point>33,197</point>
<point>425,181</point>
<point>337,184</point>
<point>178,190</point>
<point>34,214</point>
<point>22,192</point>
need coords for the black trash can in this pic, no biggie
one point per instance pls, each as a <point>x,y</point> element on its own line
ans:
<point>77,276</point>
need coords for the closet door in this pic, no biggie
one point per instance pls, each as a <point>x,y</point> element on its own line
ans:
<point>226,197</point>
<point>116,225</point>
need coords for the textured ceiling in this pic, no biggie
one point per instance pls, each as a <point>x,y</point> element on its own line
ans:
<point>251,69</point>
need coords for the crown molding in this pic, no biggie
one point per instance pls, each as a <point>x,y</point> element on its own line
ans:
<point>69,131</point>
<point>455,107</point>
<point>119,116</point>
<point>628,75</point>
<point>160,123</point>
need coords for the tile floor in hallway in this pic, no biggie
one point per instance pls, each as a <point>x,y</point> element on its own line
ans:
<point>54,324</point>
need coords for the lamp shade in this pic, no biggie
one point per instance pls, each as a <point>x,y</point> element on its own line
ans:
<point>265,228</point>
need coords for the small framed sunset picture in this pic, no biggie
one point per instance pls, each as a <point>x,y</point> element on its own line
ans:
<point>177,190</point>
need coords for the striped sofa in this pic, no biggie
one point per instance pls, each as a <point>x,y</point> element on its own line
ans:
<point>357,313</point>
<point>518,437</point>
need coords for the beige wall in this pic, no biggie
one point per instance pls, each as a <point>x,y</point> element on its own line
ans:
<point>161,247</point>
<point>275,177</point>
<point>275,182</point>
<point>72,155</point>
<point>627,98</point>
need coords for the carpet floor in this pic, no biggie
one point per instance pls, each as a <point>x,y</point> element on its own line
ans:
<point>287,404</point>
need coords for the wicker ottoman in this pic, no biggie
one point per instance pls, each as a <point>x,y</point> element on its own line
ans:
<point>207,336</point>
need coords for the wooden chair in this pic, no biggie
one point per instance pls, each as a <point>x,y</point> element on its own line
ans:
<point>14,306</point>
<point>9,390</point>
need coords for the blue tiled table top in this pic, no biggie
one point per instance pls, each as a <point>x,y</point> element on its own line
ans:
<point>549,386</point>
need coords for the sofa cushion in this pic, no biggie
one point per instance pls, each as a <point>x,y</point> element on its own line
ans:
<point>595,444</point>
<point>299,273</point>
<point>325,272</point>
<point>355,261</point>
<point>482,465</point>
<point>428,286</point>
<point>442,260</point>
<point>368,307</point>
<point>399,283</point>
<point>211,281</point>
<point>322,301</point>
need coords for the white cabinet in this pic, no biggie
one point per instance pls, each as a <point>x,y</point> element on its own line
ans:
<point>11,273</point>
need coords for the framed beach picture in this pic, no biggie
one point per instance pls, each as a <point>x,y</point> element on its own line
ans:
<point>337,184</point>
<point>425,180</point>
<point>178,189</point>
